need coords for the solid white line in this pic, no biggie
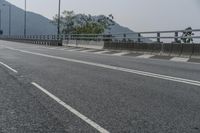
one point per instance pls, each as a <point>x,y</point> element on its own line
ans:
<point>179,59</point>
<point>146,56</point>
<point>143,73</point>
<point>13,70</point>
<point>72,110</point>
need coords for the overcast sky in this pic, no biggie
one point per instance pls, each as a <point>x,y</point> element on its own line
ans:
<point>138,15</point>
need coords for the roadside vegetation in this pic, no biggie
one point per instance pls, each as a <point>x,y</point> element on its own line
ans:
<point>72,23</point>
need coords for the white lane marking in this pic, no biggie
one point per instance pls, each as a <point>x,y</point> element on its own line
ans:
<point>13,70</point>
<point>143,73</point>
<point>101,52</point>
<point>179,59</point>
<point>146,56</point>
<point>72,110</point>
<point>121,53</point>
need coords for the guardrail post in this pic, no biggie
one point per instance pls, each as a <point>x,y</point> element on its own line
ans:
<point>139,37</point>
<point>124,39</point>
<point>176,37</point>
<point>158,37</point>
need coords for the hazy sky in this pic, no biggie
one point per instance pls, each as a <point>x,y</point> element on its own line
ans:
<point>138,15</point>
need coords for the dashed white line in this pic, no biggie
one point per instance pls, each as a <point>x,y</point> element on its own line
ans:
<point>13,70</point>
<point>146,56</point>
<point>179,59</point>
<point>72,110</point>
<point>143,73</point>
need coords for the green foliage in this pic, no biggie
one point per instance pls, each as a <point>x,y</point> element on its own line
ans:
<point>72,23</point>
<point>90,28</point>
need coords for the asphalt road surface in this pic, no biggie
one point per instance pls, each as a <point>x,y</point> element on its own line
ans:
<point>45,89</point>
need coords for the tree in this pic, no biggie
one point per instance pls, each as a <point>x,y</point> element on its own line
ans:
<point>66,21</point>
<point>72,23</point>
<point>187,35</point>
<point>90,28</point>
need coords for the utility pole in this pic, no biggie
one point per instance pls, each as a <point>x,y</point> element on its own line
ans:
<point>1,31</point>
<point>0,20</point>
<point>25,18</point>
<point>9,20</point>
<point>59,17</point>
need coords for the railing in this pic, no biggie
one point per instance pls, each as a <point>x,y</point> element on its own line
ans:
<point>176,36</point>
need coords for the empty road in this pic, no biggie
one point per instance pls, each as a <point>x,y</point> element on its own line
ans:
<point>64,90</point>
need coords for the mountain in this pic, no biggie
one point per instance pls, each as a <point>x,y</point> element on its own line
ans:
<point>36,24</point>
<point>40,25</point>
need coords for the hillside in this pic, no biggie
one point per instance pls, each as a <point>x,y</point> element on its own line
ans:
<point>38,24</point>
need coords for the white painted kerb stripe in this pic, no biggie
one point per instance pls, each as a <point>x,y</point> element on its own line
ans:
<point>8,67</point>
<point>146,56</point>
<point>179,59</point>
<point>143,73</point>
<point>121,54</point>
<point>75,112</point>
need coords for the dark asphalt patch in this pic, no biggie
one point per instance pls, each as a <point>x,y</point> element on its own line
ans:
<point>80,49</point>
<point>133,54</point>
<point>97,50</point>
<point>111,52</point>
<point>161,57</point>
<point>194,60</point>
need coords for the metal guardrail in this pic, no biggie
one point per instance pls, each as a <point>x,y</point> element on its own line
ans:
<point>175,36</point>
<point>168,42</point>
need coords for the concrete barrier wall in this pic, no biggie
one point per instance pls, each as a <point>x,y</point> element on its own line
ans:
<point>133,46</point>
<point>196,50</point>
<point>173,49</point>
<point>84,44</point>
